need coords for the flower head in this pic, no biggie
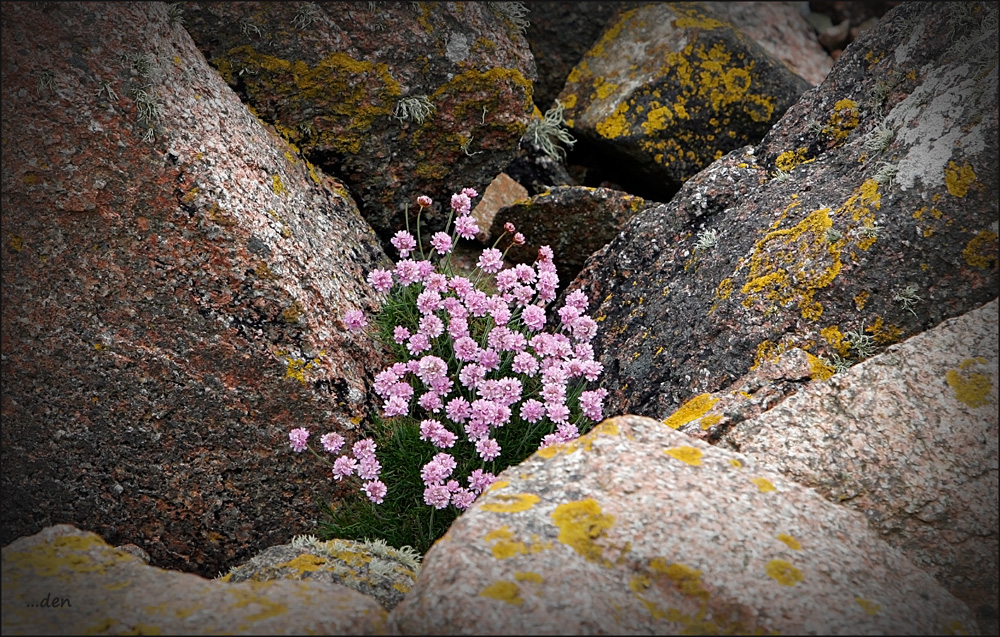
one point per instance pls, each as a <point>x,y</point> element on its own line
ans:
<point>376,490</point>
<point>490,261</point>
<point>380,279</point>
<point>355,320</point>
<point>297,438</point>
<point>332,442</point>
<point>424,201</point>
<point>404,242</point>
<point>441,242</point>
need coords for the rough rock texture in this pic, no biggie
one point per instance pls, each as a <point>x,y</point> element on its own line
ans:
<point>173,282</point>
<point>63,581</point>
<point>909,438</point>
<point>502,192</point>
<point>333,78</point>
<point>668,89</point>
<point>636,528</point>
<point>559,34</point>
<point>372,568</point>
<point>574,221</point>
<point>781,30</point>
<point>813,241</point>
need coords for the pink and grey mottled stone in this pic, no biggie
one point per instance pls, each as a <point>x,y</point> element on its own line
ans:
<point>636,528</point>
<point>909,438</point>
<point>64,581</point>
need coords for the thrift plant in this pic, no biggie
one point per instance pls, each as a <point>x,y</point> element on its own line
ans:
<point>479,383</point>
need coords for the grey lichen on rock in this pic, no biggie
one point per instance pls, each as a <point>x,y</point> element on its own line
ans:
<point>371,567</point>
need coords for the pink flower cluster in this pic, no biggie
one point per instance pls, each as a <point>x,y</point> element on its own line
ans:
<point>440,491</point>
<point>363,463</point>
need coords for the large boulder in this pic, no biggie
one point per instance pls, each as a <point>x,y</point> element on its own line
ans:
<point>909,438</point>
<point>173,282</point>
<point>396,99</point>
<point>867,215</point>
<point>668,89</point>
<point>637,529</point>
<point>64,581</point>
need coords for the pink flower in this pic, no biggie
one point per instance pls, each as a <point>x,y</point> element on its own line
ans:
<point>568,314</point>
<point>424,269</point>
<point>443,439</point>
<point>431,367</point>
<point>437,496</point>
<point>332,442</point>
<point>441,242</point>
<point>463,499</point>
<point>344,467</point>
<point>490,261</point>
<point>578,300</point>
<point>519,238</point>
<point>404,242</point>
<point>438,469</point>
<point>376,490</point>
<point>461,285</point>
<point>506,279</point>
<point>380,279</point>
<point>534,317</point>
<point>584,328</point>
<point>591,403</point>
<point>545,253</point>
<point>525,363</point>
<point>428,301</point>
<point>396,406</point>
<point>525,273</point>
<point>364,448</point>
<point>400,334</point>
<point>509,227</point>
<point>418,343</point>
<point>470,193</point>
<point>591,369</point>
<point>458,327</point>
<point>479,480</point>
<point>487,448</point>
<point>532,410</point>
<point>436,282</point>
<point>461,203</point>
<point>489,359</point>
<point>297,438</point>
<point>401,390</point>
<point>458,409</point>
<point>432,326</point>
<point>424,201</point>
<point>471,375</point>
<point>407,271</point>
<point>355,320</point>
<point>369,468</point>
<point>466,227</point>
<point>557,413</point>
<point>430,401</point>
<point>466,349</point>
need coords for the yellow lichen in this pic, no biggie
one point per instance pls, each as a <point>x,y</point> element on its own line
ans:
<point>790,541</point>
<point>970,388</point>
<point>692,409</point>
<point>504,591</point>
<point>709,420</point>
<point>860,299</point>
<point>818,369</point>
<point>510,503</point>
<point>958,179</point>
<point>687,578</point>
<point>835,338</point>
<point>615,125</point>
<point>580,524</point>
<point>763,484</point>
<point>783,572</point>
<point>736,463</point>
<point>789,159</point>
<point>981,251</point>
<point>528,576</point>
<point>688,455</point>
<point>724,289</point>
<point>869,607</point>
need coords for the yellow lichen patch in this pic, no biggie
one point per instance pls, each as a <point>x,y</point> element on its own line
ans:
<point>981,251</point>
<point>783,572</point>
<point>499,484</point>
<point>580,524</point>
<point>736,463</point>
<point>304,563</point>
<point>687,578</point>
<point>818,369</point>
<point>789,159</point>
<point>510,503</point>
<point>528,576</point>
<point>689,22</point>
<point>293,312</point>
<point>583,442</point>
<point>688,455</point>
<point>843,120</point>
<point>793,263</point>
<point>835,338</point>
<point>709,420</point>
<point>970,388</point>
<point>724,289</point>
<point>869,606</point>
<point>615,125</point>
<point>639,583</point>
<point>860,299</point>
<point>790,541</point>
<point>692,409</point>
<point>505,546</point>
<point>958,179</point>
<point>504,591</point>
<point>763,484</point>
<point>884,333</point>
